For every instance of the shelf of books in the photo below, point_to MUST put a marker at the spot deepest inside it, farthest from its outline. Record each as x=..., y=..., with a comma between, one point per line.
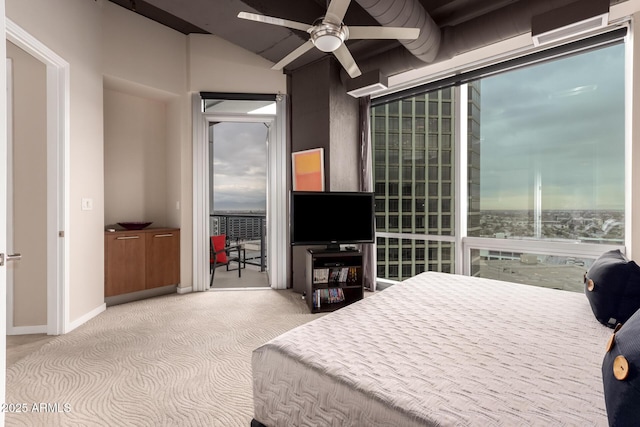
x=334, y=279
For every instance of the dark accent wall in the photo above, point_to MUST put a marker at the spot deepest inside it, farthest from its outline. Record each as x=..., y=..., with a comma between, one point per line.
x=310, y=88
x=324, y=116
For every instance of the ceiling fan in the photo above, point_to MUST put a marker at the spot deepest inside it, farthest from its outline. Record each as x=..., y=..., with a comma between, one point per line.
x=329, y=33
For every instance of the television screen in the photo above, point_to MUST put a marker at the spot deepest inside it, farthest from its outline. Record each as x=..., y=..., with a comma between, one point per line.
x=332, y=218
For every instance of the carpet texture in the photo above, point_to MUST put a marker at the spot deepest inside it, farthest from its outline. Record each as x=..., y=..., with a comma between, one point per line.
x=175, y=360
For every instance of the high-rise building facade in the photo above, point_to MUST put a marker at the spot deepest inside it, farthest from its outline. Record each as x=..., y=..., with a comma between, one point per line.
x=414, y=174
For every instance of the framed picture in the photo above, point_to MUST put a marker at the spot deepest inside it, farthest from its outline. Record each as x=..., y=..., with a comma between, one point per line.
x=308, y=170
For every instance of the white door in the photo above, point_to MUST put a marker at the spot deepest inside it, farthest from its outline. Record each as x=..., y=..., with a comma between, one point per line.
x=57, y=140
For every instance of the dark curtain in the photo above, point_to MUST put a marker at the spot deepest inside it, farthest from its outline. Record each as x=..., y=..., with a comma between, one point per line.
x=366, y=184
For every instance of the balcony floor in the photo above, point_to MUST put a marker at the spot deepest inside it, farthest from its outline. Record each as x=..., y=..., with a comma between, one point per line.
x=252, y=277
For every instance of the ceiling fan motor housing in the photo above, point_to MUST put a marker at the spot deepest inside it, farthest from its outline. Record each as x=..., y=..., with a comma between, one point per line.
x=328, y=36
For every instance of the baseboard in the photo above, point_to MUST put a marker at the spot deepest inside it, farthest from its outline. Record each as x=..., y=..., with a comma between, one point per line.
x=185, y=290
x=26, y=330
x=84, y=319
x=138, y=295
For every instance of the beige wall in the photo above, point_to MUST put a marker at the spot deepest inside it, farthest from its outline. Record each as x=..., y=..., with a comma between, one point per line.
x=135, y=159
x=139, y=50
x=179, y=188
x=29, y=188
x=219, y=66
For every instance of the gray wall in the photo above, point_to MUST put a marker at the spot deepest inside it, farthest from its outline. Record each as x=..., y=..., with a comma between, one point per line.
x=323, y=116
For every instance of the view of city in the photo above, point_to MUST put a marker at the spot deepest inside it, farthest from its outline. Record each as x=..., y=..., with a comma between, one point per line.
x=560, y=272
x=583, y=226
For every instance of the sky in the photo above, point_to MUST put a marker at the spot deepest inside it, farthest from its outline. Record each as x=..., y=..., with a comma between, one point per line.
x=563, y=118
x=240, y=166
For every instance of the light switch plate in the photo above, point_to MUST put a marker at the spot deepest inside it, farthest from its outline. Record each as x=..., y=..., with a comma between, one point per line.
x=87, y=204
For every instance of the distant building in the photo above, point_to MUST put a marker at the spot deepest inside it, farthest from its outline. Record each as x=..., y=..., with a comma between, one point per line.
x=414, y=158
x=238, y=226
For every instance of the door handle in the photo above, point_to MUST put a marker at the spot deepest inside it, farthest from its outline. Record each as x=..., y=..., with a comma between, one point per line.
x=9, y=257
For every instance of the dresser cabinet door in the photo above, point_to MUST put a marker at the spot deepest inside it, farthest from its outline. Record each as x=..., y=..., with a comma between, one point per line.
x=163, y=258
x=124, y=254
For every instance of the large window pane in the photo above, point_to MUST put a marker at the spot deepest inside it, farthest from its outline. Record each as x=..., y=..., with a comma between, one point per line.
x=545, y=161
x=420, y=178
x=557, y=272
x=550, y=157
x=399, y=259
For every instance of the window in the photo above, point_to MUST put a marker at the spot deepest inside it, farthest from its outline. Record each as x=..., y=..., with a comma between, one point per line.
x=552, y=150
x=545, y=146
x=558, y=272
x=406, y=258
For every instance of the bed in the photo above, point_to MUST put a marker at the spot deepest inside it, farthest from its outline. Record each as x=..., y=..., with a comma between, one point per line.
x=437, y=350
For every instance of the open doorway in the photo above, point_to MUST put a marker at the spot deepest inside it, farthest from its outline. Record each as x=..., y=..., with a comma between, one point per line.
x=269, y=111
x=238, y=202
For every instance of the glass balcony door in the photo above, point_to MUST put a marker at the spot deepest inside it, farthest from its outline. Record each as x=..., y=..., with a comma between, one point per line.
x=237, y=202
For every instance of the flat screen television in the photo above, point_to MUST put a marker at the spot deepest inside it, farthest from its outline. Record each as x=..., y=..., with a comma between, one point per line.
x=332, y=218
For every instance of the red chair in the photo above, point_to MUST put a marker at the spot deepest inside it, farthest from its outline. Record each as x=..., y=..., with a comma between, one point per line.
x=221, y=253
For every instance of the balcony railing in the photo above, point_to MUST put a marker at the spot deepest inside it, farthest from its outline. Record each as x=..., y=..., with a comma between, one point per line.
x=246, y=229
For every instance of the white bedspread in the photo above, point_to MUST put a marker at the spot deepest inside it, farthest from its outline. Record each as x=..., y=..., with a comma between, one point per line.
x=436, y=350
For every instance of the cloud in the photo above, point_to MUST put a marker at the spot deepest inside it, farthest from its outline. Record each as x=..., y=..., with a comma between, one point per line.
x=563, y=119
x=239, y=166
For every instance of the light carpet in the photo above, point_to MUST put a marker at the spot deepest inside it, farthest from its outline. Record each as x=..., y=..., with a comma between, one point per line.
x=175, y=360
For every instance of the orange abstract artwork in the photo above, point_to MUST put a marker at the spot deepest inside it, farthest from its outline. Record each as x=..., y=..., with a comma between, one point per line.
x=308, y=170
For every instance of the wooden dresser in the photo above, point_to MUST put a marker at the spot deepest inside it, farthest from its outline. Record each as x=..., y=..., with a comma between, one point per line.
x=141, y=259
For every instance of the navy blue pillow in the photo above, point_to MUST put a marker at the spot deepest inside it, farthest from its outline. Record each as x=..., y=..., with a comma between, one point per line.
x=612, y=286
x=621, y=375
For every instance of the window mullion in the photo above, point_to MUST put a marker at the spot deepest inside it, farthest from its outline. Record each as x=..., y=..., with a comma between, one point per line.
x=462, y=264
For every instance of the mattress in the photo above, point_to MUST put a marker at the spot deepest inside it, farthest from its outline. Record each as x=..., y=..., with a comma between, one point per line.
x=438, y=350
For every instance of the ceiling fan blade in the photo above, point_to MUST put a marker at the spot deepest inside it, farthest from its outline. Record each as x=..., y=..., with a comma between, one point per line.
x=336, y=11
x=293, y=55
x=274, y=21
x=361, y=33
x=347, y=61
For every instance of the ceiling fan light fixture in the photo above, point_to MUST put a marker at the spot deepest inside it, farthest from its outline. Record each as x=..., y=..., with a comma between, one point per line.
x=328, y=37
x=327, y=42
